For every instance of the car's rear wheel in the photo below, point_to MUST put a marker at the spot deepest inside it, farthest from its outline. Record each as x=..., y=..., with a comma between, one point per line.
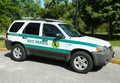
x=18, y=53
x=81, y=62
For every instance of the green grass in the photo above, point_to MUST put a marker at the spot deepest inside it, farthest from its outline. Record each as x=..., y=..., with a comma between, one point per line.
x=3, y=32
x=115, y=43
x=2, y=44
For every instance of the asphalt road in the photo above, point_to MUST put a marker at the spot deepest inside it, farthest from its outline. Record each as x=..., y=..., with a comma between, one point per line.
x=42, y=70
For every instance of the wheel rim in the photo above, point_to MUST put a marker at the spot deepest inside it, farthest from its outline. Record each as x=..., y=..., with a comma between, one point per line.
x=17, y=53
x=80, y=63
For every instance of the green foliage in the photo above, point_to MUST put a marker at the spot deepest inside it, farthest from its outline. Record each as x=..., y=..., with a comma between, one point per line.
x=66, y=18
x=93, y=15
x=30, y=9
x=81, y=25
x=54, y=9
x=9, y=11
x=16, y=9
x=115, y=43
x=2, y=44
x=96, y=12
x=102, y=28
x=55, y=12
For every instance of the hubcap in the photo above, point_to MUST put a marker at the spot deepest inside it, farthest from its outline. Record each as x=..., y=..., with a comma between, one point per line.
x=80, y=63
x=17, y=53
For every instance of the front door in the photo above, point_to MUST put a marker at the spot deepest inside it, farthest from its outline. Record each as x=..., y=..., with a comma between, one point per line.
x=55, y=47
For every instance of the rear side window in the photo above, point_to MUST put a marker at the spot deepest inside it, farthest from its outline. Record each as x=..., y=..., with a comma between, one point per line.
x=16, y=26
x=32, y=28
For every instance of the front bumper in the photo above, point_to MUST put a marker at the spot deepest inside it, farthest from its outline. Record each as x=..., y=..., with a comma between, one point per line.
x=102, y=58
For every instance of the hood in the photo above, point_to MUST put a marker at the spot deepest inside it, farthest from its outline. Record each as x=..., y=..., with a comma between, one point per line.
x=91, y=40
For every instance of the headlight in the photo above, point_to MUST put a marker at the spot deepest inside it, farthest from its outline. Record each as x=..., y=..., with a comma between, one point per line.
x=101, y=48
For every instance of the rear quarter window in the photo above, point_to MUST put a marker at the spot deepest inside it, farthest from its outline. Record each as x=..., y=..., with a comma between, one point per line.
x=16, y=26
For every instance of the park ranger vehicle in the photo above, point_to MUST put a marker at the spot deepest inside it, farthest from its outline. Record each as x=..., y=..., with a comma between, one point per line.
x=56, y=39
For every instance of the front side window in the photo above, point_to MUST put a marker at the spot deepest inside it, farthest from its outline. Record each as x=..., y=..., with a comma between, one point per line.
x=50, y=30
x=16, y=26
x=32, y=28
x=69, y=30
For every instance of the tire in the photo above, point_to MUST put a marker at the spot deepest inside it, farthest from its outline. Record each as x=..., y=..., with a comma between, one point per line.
x=81, y=62
x=18, y=53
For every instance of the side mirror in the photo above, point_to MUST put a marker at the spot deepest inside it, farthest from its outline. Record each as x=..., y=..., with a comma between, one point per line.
x=59, y=35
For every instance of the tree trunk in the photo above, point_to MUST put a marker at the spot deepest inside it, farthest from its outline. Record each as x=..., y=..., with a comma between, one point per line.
x=92, y=31
x=110, y=32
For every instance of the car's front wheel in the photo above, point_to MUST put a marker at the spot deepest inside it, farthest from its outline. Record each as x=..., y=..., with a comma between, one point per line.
x=81, y=62
x=18, y=53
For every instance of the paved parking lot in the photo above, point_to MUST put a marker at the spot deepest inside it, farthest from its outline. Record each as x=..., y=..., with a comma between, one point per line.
x=117, y=52
x=42, y=70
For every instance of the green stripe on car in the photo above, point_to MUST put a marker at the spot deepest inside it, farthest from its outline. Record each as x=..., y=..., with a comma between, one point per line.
x=51, y=38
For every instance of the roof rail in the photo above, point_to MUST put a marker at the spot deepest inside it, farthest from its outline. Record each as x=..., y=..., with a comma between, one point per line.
x=53, y=20
x=47, y=20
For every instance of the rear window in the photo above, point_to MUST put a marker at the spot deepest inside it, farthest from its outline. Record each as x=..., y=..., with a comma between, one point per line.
x=16, y=26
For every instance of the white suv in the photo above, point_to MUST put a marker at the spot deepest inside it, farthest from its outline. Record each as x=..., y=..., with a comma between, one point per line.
x=57, y=40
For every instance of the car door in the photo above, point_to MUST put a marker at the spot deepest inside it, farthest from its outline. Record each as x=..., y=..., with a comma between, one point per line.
x=31, y=38
x=54, y=47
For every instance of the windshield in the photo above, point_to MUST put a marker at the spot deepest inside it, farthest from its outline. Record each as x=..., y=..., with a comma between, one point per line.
x=70, y=30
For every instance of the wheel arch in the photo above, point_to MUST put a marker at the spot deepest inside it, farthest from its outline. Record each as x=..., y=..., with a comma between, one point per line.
x=16, y=42
x=76, y=50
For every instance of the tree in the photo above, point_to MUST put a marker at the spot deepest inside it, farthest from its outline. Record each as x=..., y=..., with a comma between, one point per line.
x=53, y=9
x=89, y=12
x=29, y=7
x=69, y=17
x=50, y=3
x=9, y=12
x=111, y=13
x=96, y=12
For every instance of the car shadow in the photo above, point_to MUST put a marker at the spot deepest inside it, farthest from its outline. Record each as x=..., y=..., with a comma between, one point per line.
x=63, y=64
x=49, y=61
x=43, y=60
x=8, y=54
x=46, y=61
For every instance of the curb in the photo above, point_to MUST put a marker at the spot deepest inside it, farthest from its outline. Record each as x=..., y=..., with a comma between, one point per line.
x=115, y=61
x=3, y=49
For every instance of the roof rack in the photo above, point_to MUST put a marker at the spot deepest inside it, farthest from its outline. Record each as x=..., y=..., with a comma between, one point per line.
x=48, y=20
x=53, y=20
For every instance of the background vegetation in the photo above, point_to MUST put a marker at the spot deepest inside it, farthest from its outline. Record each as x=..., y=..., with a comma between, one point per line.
x=94, y=16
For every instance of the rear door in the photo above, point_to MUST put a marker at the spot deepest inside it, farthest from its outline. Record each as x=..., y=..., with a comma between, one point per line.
x=30, y=37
